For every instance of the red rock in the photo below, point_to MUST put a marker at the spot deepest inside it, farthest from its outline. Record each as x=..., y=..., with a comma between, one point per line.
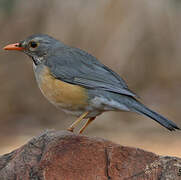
x=61, y=155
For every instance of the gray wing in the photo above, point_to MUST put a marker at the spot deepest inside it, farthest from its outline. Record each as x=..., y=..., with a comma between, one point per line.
x=75, y=66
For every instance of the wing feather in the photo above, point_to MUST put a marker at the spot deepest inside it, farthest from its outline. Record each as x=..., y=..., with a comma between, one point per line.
x=78, y=67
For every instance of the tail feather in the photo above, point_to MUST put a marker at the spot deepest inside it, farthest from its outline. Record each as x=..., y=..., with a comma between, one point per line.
x=140, y=108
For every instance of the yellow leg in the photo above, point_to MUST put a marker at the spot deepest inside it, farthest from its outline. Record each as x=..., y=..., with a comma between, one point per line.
x=86, y=124
x=72, y=127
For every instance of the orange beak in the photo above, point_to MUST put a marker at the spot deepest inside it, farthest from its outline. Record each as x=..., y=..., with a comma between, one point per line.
x=13, y=47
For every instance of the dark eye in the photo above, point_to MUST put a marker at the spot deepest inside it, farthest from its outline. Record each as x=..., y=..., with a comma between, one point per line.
x=33, y=44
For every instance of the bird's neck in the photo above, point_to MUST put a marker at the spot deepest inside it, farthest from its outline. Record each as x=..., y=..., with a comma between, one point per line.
x=37, y=60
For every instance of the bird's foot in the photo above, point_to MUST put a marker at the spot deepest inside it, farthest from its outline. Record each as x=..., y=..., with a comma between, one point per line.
x=70, y=129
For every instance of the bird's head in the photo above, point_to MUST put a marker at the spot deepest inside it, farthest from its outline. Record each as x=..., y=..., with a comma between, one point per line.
x=36, y=46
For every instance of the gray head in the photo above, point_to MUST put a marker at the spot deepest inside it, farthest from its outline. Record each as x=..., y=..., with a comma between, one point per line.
x=37, y=46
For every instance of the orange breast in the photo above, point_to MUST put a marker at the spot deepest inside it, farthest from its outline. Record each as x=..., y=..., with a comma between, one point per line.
x=61, y=93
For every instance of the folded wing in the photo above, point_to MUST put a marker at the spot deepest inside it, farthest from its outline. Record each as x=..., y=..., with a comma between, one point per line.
x=77, y=67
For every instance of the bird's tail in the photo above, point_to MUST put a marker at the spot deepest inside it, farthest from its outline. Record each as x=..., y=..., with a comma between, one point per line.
x=142, y=109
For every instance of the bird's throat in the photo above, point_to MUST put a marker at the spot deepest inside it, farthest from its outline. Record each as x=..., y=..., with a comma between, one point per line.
x=37, y=60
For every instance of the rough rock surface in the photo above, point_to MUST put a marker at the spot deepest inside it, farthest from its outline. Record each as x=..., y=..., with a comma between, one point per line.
x=61, y=155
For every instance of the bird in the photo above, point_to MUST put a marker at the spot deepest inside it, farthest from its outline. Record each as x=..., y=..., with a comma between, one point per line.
x=79, y=84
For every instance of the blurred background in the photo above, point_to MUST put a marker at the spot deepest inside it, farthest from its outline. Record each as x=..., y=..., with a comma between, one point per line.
x=140, y=40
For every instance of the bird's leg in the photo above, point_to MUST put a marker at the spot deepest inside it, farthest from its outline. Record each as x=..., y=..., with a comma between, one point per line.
x=86, y=124
x=72, y=127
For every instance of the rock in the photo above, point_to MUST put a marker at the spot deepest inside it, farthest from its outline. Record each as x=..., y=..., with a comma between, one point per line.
x=62, y=155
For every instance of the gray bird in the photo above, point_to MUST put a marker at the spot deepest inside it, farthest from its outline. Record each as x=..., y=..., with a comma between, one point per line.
x=78, y=83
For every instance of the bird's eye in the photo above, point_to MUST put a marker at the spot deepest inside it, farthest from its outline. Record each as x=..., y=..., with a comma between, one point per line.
x=33, y=44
